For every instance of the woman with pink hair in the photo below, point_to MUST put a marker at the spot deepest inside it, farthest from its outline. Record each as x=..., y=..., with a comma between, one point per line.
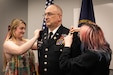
x=95, y=52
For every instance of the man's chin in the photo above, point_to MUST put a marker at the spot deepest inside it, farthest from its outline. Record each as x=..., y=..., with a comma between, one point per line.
x=47, y=25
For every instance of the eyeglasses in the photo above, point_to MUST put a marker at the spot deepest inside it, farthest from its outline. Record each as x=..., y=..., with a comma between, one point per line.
x=49, y=14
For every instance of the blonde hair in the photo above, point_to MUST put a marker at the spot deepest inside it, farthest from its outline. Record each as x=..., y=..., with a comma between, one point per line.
x=14, y=24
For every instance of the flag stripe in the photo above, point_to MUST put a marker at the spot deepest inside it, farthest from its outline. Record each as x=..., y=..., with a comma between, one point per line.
x=48, y=2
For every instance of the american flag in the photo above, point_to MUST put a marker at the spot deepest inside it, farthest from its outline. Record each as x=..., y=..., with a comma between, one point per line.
x=48, y=2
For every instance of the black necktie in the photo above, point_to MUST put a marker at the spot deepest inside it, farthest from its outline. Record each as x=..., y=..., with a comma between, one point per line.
x=50, y=34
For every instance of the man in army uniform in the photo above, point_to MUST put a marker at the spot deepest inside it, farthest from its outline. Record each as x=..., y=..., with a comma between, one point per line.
x=50, y=48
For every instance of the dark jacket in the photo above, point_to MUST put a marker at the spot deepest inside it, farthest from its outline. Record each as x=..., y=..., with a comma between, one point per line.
x=49, y=52
x=88, y=63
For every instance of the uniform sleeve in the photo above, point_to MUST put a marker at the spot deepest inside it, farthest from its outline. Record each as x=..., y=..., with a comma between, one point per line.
x=83, y=61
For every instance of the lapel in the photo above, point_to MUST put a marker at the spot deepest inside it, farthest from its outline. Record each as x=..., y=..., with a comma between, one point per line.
x=45, y=36
x=56, y=36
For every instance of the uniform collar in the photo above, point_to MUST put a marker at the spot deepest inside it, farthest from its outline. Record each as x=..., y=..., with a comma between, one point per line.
x=55, y=30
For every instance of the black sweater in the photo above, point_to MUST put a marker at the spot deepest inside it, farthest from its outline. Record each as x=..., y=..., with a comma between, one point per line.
x=88, y=63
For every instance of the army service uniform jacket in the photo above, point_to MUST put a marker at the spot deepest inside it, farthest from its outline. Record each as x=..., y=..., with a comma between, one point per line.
x=49, y=51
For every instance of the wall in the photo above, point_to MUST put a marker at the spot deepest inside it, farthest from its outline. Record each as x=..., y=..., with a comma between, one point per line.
x=10, y=9
x=103, y=14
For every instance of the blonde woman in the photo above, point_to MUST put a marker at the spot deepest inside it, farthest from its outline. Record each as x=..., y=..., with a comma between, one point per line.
x=17, y=50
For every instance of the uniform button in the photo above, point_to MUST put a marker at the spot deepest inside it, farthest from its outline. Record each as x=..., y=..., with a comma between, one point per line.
x=45, y=63
x=61, y=50
x=45, y=69
x=45, y=56
x=46, y=49
x=44, y=37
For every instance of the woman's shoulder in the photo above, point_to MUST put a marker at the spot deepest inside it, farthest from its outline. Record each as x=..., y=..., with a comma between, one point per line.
x=102, y=54
x=25, y=40
x=7, y=42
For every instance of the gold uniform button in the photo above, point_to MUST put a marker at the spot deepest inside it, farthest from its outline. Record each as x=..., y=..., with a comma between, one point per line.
x=46, y=49
x=61, y=50
x=45, y=37
x=45, y=63
x=45, y=56
x=45, y=69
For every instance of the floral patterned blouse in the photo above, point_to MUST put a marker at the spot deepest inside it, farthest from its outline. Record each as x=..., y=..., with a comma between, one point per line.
x=21, y=64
